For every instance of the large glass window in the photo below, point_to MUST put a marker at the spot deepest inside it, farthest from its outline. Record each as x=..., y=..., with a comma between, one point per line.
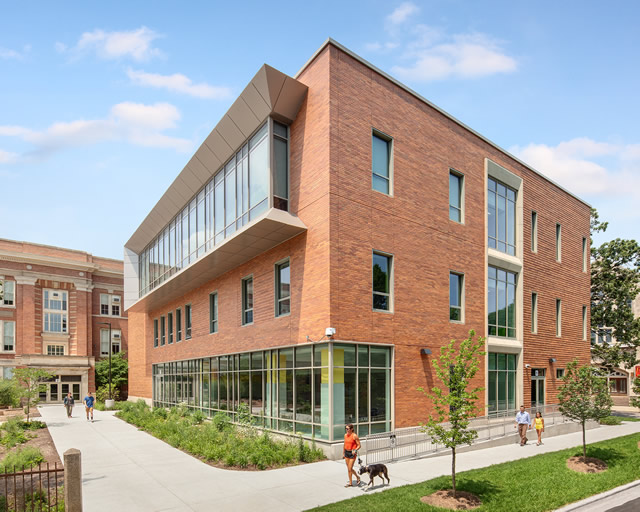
x=502, y=303
x=502, y=383
x=247, y=300
x=7, y=293
x=55, y=310
x=501, y=217
x=381, y=163
x=8, y=332
x=455, y=196
x=456, y=294
x=288, y=389
x=283, y=289
x=116, y=338
x=382, y=282
x=235, y=195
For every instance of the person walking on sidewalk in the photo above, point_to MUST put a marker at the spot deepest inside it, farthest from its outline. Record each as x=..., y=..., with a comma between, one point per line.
x=88, y=405
x=68, y=404
x=523, y=423
x=539, y=424
x=350, y=451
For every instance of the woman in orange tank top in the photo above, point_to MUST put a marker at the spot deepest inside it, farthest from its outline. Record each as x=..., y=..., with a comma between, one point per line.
x=349, y=452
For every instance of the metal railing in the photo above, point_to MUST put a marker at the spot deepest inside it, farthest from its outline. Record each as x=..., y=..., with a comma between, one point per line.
x=413, y=442
x=32, y=489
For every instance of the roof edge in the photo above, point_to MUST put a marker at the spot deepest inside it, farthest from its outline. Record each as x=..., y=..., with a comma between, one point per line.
x=333, y=42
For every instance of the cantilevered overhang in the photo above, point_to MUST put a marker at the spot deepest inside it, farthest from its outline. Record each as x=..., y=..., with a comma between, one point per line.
x=270, y=229
x=270, y=93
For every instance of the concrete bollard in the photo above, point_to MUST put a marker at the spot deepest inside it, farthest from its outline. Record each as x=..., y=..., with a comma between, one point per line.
x=72, y=480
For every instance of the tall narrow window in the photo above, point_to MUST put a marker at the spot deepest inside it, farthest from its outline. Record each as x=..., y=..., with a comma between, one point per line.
x=187, y=322
x=585, y=255
x=7, y=293
x=502, y=303
x=213, y=313
x=247, y=301
x=104, y=304
x=382, y=282
x=534, y=231
x=170, y=327
x=456, y=295
x=558, y=318
x=283, y=289
x=558, y=242
x=501, y=217
x=381, y=163
x=155, y=332
x=584, y=322
x=534, y=312
x=55, y=310
x=281, y=163
x=162, y=331
x=8, y=332
x=178, y=325
x=456, y=197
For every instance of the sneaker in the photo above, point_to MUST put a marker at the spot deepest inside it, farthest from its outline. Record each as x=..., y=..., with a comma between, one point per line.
x=91, y=420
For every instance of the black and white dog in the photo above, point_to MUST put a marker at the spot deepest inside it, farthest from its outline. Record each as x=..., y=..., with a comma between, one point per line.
x=374, y=470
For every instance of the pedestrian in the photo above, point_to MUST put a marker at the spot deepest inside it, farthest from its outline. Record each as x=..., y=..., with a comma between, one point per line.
x=68, y=404
x=88, y=405
x=523, y=423
x=350, y=452
x=539, y=424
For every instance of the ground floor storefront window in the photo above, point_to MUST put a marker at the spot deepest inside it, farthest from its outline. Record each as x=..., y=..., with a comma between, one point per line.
x=313, y=390
x=502, y=382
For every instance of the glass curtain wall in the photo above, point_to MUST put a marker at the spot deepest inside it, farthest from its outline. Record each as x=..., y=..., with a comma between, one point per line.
x=237, y=194
x=502, y=383
x=289, y=389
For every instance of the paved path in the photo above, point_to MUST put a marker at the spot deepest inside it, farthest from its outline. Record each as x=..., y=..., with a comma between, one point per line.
x=126, y=470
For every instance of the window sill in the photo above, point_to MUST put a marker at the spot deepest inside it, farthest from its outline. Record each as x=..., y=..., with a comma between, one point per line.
x=387, y=311
x=283, y=315
x=8, y=306
x=214, y=332
x=459, y=322
x=7, y=352
x=247, y=324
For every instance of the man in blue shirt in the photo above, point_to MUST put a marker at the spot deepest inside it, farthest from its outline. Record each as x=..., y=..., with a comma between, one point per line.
x=523, y=422
x=88, y=405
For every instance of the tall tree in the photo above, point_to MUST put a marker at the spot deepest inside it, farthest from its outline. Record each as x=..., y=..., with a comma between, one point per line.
x=31, y=381
x=456, y=402
x=615, y=282
x=584, y=396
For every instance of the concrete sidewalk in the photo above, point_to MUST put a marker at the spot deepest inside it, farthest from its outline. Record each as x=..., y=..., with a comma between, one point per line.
x=125, y=469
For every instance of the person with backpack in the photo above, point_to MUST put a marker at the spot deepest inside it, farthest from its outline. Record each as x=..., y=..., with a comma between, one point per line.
x=68, y=404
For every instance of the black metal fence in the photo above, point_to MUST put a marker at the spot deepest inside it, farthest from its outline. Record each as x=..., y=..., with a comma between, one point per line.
x=35, y=489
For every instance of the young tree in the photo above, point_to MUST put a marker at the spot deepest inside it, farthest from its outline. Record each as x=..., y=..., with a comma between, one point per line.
x=119, y=371
x=455, y=401
x=584, y=396
x=635, y=400
x=30, y=381
x=615, y=282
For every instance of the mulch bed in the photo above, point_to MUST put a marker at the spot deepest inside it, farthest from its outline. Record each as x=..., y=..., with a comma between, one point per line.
x=588, y=465
x=444, y=499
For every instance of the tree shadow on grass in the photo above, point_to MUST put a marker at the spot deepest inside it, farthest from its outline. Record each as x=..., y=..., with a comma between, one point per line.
x=609, y=455
x=483, y=489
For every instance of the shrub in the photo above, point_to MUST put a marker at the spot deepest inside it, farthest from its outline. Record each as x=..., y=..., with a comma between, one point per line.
x=611, y=420
x=161, y=412
x=12, y=433
x=9, y=393
x=198, y=417
x=21, y=458
x=102, y=393
x=221, y=421
x=244, y=415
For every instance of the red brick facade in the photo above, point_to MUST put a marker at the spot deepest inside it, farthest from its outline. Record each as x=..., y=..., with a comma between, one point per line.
x=330, y=191
x=35, y=268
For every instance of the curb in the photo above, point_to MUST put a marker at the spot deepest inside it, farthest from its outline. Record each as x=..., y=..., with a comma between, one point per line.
x=598, y=497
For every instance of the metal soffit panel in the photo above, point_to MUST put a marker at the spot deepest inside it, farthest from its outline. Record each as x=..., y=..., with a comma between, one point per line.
x=270, y=229
x=270, y=92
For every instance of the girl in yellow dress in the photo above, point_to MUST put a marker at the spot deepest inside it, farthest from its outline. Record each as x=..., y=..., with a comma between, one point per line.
x=539, y=424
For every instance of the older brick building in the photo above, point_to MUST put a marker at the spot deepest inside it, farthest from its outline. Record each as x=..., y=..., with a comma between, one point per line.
x=342, y=199
x=54, y=304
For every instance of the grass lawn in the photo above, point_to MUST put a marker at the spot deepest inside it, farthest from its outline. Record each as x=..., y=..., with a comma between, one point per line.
x=534, y=484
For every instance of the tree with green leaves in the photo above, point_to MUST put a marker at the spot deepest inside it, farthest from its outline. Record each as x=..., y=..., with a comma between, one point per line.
x=456, y=402
x=634, y=401
x=584, y=396
x=119, y=371
x=615, y=283
x=30, y=381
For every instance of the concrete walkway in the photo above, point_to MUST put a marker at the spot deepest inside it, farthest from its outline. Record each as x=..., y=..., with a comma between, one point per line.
x=126, y=470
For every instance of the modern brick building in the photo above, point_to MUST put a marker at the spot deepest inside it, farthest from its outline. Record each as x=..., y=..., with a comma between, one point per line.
x=54, y=304
x=341, y=199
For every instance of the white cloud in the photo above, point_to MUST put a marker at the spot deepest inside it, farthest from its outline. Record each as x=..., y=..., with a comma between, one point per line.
x=135, y=123
x=7, y=53
x=402, y=12
x=136, y=44
x=6, y=157
x=587, y=167
x=465, y=56
x=178, y=83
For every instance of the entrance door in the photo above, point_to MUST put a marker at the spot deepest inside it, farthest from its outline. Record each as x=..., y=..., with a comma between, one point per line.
x=537, y=389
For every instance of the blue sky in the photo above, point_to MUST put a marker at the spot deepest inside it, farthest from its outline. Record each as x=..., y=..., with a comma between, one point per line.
x=102, y=106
